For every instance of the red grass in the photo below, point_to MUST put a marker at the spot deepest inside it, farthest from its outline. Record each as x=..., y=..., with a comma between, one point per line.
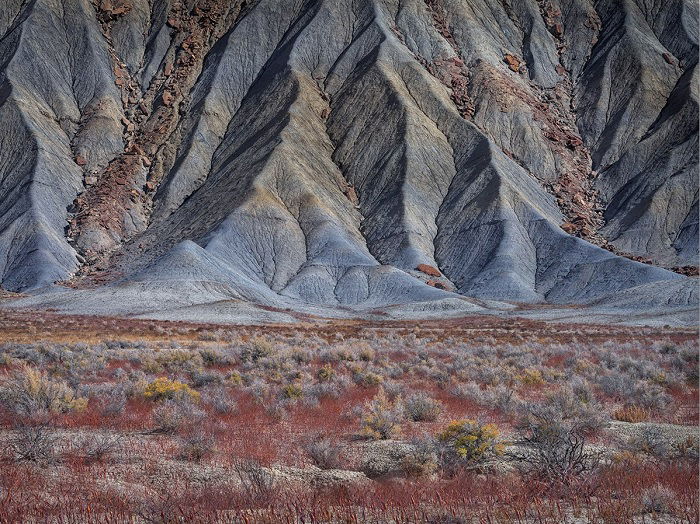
x=485, y=499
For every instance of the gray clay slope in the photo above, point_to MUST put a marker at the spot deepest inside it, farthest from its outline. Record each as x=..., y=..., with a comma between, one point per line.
x=328, y=147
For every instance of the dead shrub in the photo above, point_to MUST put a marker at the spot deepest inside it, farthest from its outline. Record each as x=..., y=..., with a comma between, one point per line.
x=324, y=453
x=96, y=447
x=257, y=483
x=631, y=414
x=35, y=443
x=554, y=437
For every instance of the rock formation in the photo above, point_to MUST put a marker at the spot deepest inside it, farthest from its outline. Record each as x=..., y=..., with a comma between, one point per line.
x=349, y=153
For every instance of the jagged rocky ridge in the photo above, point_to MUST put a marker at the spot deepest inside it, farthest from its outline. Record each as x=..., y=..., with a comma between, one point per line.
x=318, y=151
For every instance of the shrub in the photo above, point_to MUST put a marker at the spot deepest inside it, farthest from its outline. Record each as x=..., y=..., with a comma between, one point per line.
x=652, y=441
x=34, y=443
x=201, y=378
x=300, y=356
x=393, y=388
x=687, y=448
x=324, y=453
x=292, y=391
x=212, y=357
x=257, y=483
x=503, y=398
x=234, y=379
x=366, y=378
x=325, y=373
x=278, y=409
x=179, y=360
x=531, y=377
x=468, y=443
x=324, y=390
x=423, y=462
x=420, y=407
x=567, y=409
x=650, y=396
x=29, y=391
x=95, y=447
x=582, y=390
x=617, y=385
x=172, y=414
x=367, y=354
x=555, y=434
x=658, y=499
x=196, y=446
x=221, y=400
x=381, y=417
x=113, y=401
x=470, y=391
x=163, y=388
x=258, y=349
x=631, y=414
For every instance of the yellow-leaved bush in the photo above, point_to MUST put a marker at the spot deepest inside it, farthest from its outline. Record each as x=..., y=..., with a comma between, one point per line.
x=471, y=441
x=164, y=388
x=382, y=417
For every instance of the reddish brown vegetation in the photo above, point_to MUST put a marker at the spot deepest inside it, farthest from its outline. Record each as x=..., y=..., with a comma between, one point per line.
x=245, y=411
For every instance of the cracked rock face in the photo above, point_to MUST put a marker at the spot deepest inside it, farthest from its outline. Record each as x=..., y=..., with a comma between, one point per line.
x=350, y=153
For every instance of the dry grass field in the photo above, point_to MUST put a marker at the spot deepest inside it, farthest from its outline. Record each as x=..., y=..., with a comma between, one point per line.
x=470, y=420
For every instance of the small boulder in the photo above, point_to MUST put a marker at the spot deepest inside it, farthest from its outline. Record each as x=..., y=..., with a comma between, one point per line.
x=513, y=62
x=429, y=270
x=383, y=458
x=168, y=98
x=568, y=227
x=437, y=284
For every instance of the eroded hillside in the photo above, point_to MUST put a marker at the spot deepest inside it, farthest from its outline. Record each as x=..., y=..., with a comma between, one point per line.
x=318, y=152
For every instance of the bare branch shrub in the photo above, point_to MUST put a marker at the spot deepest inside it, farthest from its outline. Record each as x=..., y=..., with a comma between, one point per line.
x=197, y=445
x=324, y=453
x=34, y=443
x=257, y=483
x=554, y=435
x=95, y=447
